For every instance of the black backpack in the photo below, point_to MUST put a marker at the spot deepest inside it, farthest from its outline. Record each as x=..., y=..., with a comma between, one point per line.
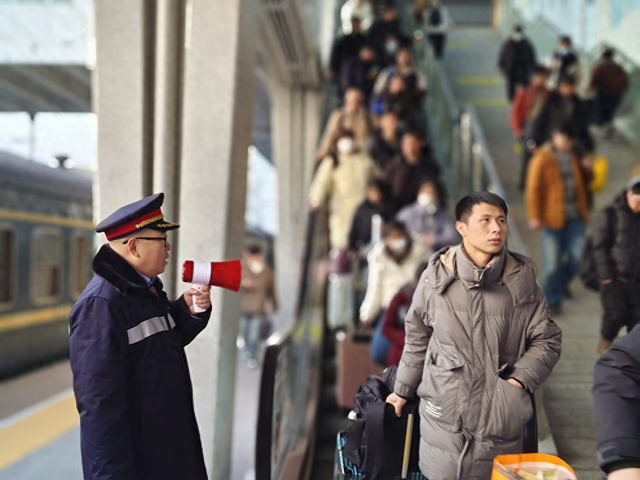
x=587, y=270
x=375, y=441
x=435, y=17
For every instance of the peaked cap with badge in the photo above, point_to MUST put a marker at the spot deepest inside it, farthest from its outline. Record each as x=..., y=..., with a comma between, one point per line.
x=145, y=213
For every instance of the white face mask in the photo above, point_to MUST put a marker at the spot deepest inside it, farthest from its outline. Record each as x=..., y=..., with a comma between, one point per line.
x=391, y=46
x=398, y=245
x=345, y=145
x=428, y=202
x=517, y=37
x=256, y=266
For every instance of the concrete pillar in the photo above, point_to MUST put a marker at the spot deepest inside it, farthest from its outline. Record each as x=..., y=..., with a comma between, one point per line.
x=169, y=69
x=295, y=124
x=219, y=86
x=118, y=90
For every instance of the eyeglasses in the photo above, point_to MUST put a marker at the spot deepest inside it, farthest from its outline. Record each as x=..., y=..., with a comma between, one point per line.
x=164, y=239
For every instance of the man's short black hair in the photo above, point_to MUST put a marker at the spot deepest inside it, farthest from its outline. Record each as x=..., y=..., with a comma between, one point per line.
x=396, y=225
x=565, y=128
x=253, y=249
x=566, y=39
x=517, y=29
x=567, y=80
x=540, y=70
x=608, y=53
x=464, y=208
x=413, y=133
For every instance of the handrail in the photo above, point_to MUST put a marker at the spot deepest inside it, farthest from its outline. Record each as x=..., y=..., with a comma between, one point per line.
x=459, y=142
x=516, y=243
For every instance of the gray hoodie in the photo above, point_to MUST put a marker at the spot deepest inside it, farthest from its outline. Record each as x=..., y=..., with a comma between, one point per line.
x=468, y=331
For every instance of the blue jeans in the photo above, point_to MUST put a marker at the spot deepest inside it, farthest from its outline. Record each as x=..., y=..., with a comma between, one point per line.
x=252, y=323
x=380, y=345
x=561, y=254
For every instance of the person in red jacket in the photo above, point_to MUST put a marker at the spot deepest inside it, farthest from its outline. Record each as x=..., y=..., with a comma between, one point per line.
x=526, y=106
x=393, y=327
x=609, y=81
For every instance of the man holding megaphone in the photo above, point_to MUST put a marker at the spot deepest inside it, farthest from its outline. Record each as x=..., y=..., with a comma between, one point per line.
x=130, y=374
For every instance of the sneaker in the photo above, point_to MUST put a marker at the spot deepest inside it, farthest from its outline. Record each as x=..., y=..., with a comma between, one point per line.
x=603, y=345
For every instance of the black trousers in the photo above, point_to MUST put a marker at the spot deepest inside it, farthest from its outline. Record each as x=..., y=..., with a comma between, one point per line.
x=526, y=158
x=438, y=41
x=513, y=82
x=621, y=304
x=606, y=105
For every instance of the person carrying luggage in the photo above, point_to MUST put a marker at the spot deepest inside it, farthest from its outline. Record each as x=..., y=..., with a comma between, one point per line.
x=479, y=341
x=392, y=264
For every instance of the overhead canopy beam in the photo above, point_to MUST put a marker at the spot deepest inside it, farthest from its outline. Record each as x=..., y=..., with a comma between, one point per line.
x=45, y=88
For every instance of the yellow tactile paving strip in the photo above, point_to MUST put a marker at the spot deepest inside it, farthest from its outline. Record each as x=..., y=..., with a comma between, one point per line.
x=34, y=431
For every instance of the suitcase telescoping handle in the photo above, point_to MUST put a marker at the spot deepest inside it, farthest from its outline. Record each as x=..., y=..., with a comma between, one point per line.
x=407, y=445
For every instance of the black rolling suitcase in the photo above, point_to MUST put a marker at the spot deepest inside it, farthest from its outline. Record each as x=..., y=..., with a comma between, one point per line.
x=392, y=446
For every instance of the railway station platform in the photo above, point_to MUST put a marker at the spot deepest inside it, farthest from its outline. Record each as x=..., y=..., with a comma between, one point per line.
x=40, y=433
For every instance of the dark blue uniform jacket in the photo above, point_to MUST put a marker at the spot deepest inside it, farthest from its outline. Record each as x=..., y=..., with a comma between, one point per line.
x=131, y=378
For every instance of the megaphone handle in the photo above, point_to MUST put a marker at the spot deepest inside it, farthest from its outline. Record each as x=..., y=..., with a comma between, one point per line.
x=196, y=308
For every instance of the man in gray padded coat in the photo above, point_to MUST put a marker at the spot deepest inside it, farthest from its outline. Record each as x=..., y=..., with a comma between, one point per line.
x=479, y=339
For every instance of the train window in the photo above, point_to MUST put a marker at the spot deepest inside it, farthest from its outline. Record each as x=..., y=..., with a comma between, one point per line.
x=7, y=265
x=79, y=264
x=46, y=265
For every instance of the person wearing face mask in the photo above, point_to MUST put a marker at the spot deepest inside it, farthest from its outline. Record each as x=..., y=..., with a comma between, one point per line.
x=384, y=144
x=353, y=116
x=409, y=170
x=564, y=62
x=516, y=61
x=258, y=289
x=428, y=219
x=415, y=81
x=342, y=177
x=386, y=34
x=392, y=264
x=479, y=341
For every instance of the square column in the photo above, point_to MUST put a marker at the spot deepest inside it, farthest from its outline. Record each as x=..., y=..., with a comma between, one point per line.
x=219, y=86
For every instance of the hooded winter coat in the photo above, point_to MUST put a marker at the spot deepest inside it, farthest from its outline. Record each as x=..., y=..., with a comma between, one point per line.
x=131, y=378
x=469, y=330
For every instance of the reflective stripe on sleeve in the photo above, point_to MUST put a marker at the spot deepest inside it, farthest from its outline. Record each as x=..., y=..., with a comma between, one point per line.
x=147, y=328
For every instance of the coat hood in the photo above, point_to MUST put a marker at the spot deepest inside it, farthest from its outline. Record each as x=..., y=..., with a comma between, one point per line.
x=518, y=272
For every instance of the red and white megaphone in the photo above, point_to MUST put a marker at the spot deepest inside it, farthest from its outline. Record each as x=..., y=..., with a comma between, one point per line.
x=217, y=274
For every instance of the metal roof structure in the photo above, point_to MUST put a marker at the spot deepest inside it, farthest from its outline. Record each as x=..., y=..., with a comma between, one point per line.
x=45, y=88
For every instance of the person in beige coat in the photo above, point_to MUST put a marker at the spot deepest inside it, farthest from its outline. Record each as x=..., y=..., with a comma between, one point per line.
x=342, y=177
x=355, y=117
x=479, y=341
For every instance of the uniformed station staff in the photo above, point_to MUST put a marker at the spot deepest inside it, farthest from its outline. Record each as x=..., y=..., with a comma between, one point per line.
x=130, y=372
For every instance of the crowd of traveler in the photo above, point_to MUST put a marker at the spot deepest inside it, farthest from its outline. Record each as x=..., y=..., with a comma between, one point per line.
x=553, y=124
x=387, y=209
x=376, y=172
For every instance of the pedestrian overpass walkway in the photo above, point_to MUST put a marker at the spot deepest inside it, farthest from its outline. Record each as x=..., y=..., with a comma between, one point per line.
x=470, y=65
